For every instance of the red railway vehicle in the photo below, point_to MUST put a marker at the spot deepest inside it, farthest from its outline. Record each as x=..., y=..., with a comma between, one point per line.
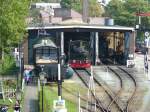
x=79, y=54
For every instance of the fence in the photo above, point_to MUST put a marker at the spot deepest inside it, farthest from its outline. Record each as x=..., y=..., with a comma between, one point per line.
x=9, y=93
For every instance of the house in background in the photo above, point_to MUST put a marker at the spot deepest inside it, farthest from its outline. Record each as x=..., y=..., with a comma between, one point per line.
x=53, y=13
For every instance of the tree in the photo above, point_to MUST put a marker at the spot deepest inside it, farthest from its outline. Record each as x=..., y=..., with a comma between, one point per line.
x=12, y=29
x=12, y=22
x=124, y=12
x=51, y=1
x=94, y=8
x=67, y=3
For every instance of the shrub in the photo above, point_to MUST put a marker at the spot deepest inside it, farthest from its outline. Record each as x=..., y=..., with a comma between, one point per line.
x=8, y=66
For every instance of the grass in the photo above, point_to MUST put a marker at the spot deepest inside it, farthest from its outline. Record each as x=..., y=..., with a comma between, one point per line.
x=8, y=103
x=70, y=92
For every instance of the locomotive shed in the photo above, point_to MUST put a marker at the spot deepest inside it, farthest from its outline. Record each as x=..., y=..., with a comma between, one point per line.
x=109, y=44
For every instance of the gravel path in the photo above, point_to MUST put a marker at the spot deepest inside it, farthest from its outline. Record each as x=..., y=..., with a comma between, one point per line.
x=31, y=99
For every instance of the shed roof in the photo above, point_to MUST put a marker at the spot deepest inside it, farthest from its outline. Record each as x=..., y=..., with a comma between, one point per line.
x=81, y=26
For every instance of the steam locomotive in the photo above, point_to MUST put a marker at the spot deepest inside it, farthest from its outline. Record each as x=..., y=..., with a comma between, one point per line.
x=79, y=54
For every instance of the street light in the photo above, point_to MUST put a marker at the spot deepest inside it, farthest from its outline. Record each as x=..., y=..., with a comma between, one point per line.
x=42, y=78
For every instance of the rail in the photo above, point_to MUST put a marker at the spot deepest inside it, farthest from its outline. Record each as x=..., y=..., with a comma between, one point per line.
x=111, y=94
x=134, y=92
x=100, y=106
x=129, y=100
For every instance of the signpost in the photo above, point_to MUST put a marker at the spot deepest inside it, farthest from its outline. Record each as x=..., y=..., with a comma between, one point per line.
x=59, y=106
x=130, y=61
x=146, y=41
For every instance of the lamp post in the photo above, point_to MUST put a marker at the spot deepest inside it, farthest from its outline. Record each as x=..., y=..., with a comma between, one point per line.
x=42, y=78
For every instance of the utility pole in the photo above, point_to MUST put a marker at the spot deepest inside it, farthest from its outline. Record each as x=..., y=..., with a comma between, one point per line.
x=85, y=12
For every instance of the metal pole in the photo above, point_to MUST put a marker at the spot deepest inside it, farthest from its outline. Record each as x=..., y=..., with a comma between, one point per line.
x=79, y=102
x=22, y=67
x=62, y=43
x=62, y=47
x=59, y=83
x=42, y=99
x=85, y=10
x=59, y=76
x=19, y=49
x=114, y=47
x=139, y=20
x=96, y=48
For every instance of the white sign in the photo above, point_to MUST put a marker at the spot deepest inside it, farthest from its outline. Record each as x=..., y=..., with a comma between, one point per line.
x=130, y=63
x=59, y=106
x=146, y=34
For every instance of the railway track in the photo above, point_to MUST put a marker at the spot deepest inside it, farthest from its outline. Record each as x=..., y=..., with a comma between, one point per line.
x=127, y=90
x=85, y=79
x=103, y=96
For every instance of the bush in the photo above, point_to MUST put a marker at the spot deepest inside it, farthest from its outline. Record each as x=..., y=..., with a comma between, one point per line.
x=8, y=66
x=10, y=83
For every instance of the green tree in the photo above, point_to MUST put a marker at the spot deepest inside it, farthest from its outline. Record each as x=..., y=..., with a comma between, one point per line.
x=67, y=3
x=13, y=15
x=94, y=8
x=124, y=12
x=12, y=22
x=50, y=1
